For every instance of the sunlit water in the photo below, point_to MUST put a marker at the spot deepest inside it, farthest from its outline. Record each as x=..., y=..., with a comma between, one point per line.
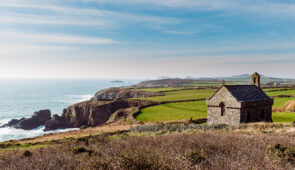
x=21, y=98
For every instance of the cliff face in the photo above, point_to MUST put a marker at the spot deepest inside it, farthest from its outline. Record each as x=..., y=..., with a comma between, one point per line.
x=94, y=112
x=91, y=113
x=119, y=93
x=39, y=118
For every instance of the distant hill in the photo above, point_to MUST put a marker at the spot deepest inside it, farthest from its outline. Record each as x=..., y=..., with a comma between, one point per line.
x=236, y=79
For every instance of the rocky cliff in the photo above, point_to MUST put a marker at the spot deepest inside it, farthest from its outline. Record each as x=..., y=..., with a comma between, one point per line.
x=92, y=113
x=39, y=118
x=120, y=93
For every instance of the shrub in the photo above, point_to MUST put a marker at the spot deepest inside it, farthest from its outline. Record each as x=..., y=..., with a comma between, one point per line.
x=198, y=121
x=142, y=158
x=282, y=152
x=78, y=150
x=195, y=157
x=27, y=154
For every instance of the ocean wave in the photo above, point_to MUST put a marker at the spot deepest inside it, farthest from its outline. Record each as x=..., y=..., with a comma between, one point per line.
x=4, y=121
x=72, y=99
x=14, y=134
x=80, y=98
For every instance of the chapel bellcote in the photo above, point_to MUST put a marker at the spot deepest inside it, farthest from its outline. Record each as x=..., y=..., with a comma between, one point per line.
x=256, y=79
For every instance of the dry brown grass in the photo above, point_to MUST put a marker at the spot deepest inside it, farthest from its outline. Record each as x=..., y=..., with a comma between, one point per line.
x=203, y=150
x=287, y=107
x=77, y=133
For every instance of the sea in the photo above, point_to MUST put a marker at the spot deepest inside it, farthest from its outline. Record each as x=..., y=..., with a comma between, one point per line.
x=22, y=97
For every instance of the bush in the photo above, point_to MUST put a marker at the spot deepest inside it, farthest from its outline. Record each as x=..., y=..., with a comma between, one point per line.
x=195, y=158
x=78, y=150
x=27, y=154
x=282, y=152
x=198, y=121
x=142, y=158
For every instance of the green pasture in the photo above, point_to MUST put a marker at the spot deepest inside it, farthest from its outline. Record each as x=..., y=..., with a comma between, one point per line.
x=195, y=110
x=162, y=89
x=183, y=95
x=276, y=93
x=201, y=84
x=174, y=111
x=283, y=117
x=278, y=102
x=270, y=89
x=198, y=109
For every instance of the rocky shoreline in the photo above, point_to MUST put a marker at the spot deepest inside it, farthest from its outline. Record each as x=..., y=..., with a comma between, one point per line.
x=38, y=119
x=107, y=105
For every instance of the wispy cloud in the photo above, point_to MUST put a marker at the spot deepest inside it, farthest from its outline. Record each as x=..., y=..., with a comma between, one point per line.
x=55, y=38
x=262, y=7
x=84, y=16
x=179, y=32
x=50, y=20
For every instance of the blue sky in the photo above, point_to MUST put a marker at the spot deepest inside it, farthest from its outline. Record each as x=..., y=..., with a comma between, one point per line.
x=146, y=38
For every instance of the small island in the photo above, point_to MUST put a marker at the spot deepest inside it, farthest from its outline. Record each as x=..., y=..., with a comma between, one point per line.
x=117, y=81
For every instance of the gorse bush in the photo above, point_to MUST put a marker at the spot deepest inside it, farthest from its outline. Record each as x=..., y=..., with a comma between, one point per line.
x=143, y=158
x=195, y=157
x=282, y=152
x=27, y=154
x=78, y=150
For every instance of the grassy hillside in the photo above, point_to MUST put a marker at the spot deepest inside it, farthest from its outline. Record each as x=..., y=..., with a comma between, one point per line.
x=182, y=95
x=198, y=109
x=283, y=117
x=174, y=111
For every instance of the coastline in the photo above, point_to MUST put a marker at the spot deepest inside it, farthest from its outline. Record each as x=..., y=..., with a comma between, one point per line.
x=21, y=98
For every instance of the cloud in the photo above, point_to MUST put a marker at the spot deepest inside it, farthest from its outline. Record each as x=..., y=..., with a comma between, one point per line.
x=262, y=7
x=37, y=20
x=178, y=32
x=67, y=15
x=13, y=50
x=55, y=38
x=212, y=4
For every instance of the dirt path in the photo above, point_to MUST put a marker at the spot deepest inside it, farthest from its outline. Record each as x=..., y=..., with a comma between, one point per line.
x=77, y=133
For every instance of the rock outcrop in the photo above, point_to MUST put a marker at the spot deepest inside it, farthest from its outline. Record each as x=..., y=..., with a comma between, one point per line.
x=91, y=113
x=94, y=112
x=38, y=119
x=57, y=122
x=120, y=93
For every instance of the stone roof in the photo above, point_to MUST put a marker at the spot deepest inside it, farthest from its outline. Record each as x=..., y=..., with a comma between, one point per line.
x=247, y=93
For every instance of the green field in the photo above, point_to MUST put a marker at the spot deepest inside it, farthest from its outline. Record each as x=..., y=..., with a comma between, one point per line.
x=198, y=109
x=162, y=89
x=195, y=110
x=202, y=84
x=283, y=117
x=183, y=95
x=276, y=93
x=279, y=102
x=270, y=89
x=174, y=111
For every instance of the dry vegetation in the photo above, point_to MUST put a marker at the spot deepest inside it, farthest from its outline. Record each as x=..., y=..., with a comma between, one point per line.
x=207, y=149
x=287, y=107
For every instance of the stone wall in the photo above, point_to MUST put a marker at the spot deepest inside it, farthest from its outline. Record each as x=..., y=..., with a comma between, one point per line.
x=232, y=113
x=231, y=117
